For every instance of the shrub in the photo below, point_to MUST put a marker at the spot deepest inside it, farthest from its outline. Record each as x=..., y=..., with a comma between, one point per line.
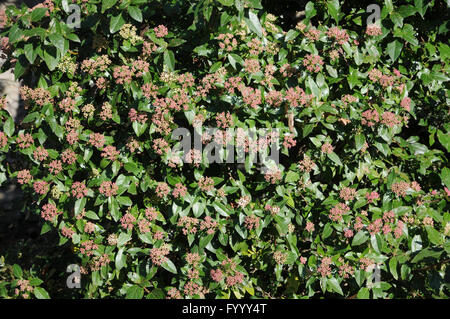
x=355, y=191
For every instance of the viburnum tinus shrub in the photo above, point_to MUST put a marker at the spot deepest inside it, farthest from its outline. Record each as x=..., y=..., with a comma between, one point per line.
x=133, y=116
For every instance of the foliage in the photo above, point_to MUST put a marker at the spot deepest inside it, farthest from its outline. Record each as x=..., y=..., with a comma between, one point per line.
x=362, y=116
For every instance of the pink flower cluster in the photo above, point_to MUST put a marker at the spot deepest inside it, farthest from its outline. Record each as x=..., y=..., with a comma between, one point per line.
x=206, y=184
x=341, y=36
x=227, y=41
x=96, y=139
x=313, y=63
x=69, y=156
x=327, y=148
x=162, y=190
x=150, y=90
x=49, y=212
x=189, y=224
x=370, y=117
x=209, y=225
x=100, y=64
x=296, y=96
x=324, y=269
x=127, y=221
x=250, y=96
x=88, y=247
x=67, y=104
x=273, y=175
x=406, y=103
x=79, y=190
x=134, y=116
x=251, y=222
x=39, y=95
x=24, y=177
x=227, y=271
x=372, y=196
x=40, y=154
x=108, y=188
x=338, y=211
x=224, y=120
x=24, y=140
x=40, y=187
x=179, y=191
x=151, y=213
x=252, y=66
x=110, y=152
x=306, y=164
x=161, y=31
x=373, y=30
x=158, y=255
x=67, y=232
x=347, y=193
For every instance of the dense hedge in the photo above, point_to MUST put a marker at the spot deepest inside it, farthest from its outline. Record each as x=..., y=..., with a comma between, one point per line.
x=358, y=114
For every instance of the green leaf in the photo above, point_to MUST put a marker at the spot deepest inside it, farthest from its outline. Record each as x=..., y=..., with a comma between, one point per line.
x=135, y=292
x=434, y=236
x=106, y=4
x=30, y=53
x=227, y=3
x=327, y=230
x=169, y=266
x=427, y=253
x=359, y=141
x=79, y=205
x=292, y=177
x=233, y=58
x=123, y=239
x=114, y=209
x=38, y=14
x=359, y=238
x=314, y=88
x=15, y=33
x=116, y=23
x=124, y=200
x=444, y=139
x=121, y=259
x=9, y=126
x=445, y=176
x=205, y=241
x=58, y=41
x=406, y=10
x=169, y=60
x=253, y=24
x=291, y=35
x=310, y=11
x=41, y=293
x=135, y=13
x=333, y=73
x=333, y=9
x=35, y=281
x=334, y=285
x=406, y=33
x=363, y=293
x=221, y=209
x=416, y=243
x=51, y=58
x=17, y=271
x=333, y=156
x=394, y=49
x=21, y=66
x=393, y=267
x=157, y=293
